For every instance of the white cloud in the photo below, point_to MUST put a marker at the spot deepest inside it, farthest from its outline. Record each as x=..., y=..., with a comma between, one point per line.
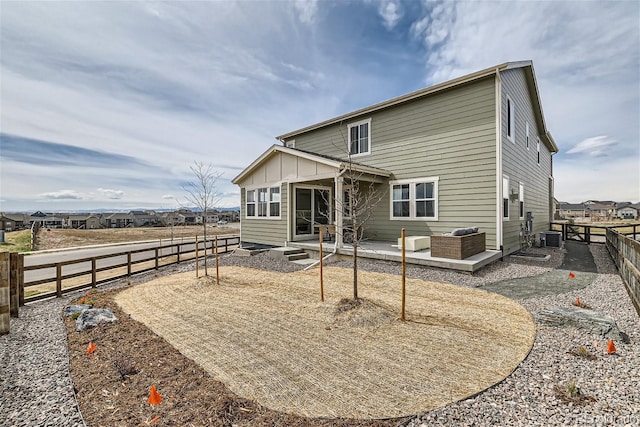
x=307, y=10
x=596, y=146
x=391, y=12
x=111, y=194
x=168, y=197
x=62, y=195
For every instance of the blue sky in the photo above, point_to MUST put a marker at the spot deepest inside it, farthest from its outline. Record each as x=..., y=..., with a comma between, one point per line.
x=107, y=104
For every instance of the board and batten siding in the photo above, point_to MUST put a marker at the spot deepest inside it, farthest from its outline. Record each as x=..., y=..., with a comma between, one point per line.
x=521, y=164
x=450, y=135
x=278, y=170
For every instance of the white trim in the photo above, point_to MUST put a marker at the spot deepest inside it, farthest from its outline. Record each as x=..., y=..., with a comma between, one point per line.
x=511, y=120
x=268, y=187
x=412, y=198
x=498, y=216
x=354, y=124
x=295, y=235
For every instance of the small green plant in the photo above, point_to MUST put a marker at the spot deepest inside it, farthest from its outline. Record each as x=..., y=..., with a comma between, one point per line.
x=570, y=394
x=581, y=351
x=571, y=389
x=75, y=316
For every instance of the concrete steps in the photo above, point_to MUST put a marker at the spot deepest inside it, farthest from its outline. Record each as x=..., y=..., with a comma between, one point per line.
x=290, y=254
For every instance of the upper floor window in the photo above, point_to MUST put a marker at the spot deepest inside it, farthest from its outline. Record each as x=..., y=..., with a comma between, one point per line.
x=538, y=146
x=290, y=143
x=415, y=199
x=263, y=203
x=527, y=134
x=359, y=137
x=511, y=120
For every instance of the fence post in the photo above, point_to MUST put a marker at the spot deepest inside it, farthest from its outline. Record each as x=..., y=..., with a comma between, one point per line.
x=156, y=258
x=178, y=253
x=21, y=280
x=58, y=280
x=5, y=319
x=128, y=263
x=587, y=234
x=93, y=272
x=13, y=284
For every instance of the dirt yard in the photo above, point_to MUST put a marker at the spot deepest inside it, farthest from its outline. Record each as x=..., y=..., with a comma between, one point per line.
x=270, y=340
x=56, y=238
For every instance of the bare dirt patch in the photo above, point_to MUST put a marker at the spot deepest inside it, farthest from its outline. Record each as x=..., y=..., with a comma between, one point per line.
x=56, y=238
x=269, y=339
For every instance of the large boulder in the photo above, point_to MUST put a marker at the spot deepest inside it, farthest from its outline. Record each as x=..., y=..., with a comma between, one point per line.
x=587, y=320
x=77, y=308
x=90, y=318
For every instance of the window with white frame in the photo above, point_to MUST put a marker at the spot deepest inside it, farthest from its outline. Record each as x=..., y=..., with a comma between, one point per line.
x=505, y=197
x=527, y=134
x=511, y=120
x=263, y=203
x=538, y=146
x=359, y=137
x=290, y=143
x=250, y=208
x=274, y=201
x=415, y=199
x=521, y=200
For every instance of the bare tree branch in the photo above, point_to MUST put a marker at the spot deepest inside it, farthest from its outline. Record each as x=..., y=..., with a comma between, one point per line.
x=202, y=193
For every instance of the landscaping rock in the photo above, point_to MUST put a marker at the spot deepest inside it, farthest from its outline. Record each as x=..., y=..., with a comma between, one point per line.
x=90, y=318
x=70, y=310
x=588, y=320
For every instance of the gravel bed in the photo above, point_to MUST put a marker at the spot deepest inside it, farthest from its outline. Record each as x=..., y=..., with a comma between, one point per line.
x=35, y=386
x=36, y=389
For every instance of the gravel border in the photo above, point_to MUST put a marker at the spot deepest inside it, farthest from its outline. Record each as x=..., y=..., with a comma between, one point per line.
x=36, y=389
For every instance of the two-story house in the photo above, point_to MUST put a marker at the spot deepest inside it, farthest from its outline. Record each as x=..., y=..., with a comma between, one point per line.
x=473, y=151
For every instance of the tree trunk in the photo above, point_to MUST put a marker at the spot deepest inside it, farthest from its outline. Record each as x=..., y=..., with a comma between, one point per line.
x=355, y=265
x=204, y=224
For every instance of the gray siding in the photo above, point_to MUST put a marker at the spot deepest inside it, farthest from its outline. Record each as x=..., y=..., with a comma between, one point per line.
x=450, y=135
x=265, y=231
x=520, y=164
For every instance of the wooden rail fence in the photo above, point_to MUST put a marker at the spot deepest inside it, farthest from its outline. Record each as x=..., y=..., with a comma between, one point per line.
x=593, y=233
x=626, y=255
x=92, y=271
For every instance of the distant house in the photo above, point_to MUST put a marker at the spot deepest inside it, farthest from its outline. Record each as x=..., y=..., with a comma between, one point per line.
x=190, y=217
x=20, y=220
x=7, y=224
x=470, y=152
x=572, y=210
x=600, y=210
x=169, y=219
x=628, y=211
x=83, y=221
x=118, y=220
x=146, y=218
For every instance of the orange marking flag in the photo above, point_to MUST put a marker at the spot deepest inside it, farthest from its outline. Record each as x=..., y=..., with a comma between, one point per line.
x=577, y=303
x=611, y=347
x=91, y=348
x=571, y=275
x=154, y=396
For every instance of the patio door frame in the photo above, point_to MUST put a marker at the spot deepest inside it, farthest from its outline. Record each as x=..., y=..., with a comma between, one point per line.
x=294, y=215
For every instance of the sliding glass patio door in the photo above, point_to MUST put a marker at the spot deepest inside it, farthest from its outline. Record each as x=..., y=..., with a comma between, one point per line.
x=312, y=207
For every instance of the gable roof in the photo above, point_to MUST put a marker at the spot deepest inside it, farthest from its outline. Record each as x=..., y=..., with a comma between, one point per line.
x=526, y=66
x=335, y=163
